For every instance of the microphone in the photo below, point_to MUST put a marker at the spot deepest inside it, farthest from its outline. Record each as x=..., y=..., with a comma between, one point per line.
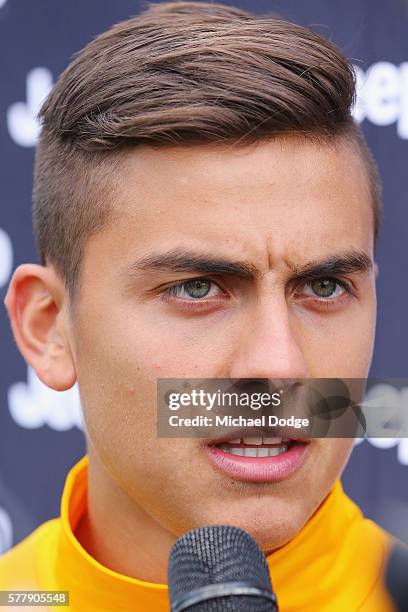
x=219, y=569
x=397, y=577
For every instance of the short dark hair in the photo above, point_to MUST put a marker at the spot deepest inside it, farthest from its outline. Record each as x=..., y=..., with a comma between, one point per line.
x=181, y=72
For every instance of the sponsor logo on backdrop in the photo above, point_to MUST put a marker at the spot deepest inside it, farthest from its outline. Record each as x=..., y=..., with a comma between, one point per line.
x=22, y=123
x=401, y=445
x=382, y=99
x=382, y=95
x=32, y=405
x=6, y=257
x=16, y=521
x=6, y=531
x=392, y=400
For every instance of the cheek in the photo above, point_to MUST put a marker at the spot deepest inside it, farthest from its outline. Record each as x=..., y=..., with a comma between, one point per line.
x=338, y=345
x=328, y=460
x=117, y=375
x=336, y=452
x=116, y=391
x=356, y=343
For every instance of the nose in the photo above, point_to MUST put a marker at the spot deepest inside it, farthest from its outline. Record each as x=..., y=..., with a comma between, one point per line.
x=269, y=346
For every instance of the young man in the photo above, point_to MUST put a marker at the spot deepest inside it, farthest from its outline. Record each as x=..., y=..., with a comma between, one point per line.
x=204, y=206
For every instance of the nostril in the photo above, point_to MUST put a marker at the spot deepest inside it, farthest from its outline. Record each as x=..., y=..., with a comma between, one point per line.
x=251, y=385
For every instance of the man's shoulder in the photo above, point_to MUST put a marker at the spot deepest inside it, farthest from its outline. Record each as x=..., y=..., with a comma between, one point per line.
x=19, y=567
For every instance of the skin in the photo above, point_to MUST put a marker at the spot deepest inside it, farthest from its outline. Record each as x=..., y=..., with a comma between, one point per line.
x=278, y=206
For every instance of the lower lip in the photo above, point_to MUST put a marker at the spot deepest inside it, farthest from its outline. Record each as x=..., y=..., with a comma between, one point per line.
x=259, y=469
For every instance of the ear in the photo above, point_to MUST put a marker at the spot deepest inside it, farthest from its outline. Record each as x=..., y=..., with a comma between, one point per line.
x=37, y=305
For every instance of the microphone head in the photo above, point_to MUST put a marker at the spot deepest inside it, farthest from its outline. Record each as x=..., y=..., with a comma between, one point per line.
x=219, y=555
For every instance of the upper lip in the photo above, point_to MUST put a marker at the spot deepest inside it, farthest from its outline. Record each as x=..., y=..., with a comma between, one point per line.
x=289, y=433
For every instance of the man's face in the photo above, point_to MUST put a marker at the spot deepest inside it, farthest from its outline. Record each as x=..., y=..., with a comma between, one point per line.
x=279, y=208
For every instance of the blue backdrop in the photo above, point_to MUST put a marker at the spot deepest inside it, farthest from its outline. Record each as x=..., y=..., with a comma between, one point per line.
x=40, y=430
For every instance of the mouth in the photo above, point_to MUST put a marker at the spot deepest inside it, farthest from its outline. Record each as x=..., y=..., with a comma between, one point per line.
x=258, y=458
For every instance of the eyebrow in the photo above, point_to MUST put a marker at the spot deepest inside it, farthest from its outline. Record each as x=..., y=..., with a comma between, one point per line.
x=347, y=263
x=184, y=261
x=181, y=261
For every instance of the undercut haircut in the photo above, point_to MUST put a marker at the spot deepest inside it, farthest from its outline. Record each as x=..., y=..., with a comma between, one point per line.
x=180, y=73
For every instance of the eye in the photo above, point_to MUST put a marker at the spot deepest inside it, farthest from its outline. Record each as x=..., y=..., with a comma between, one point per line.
x=194, y=289
x=326, y=288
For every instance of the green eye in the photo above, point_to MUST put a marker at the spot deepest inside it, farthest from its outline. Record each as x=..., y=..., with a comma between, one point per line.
x=193, y=290
x=198, y=288
x=324, y=287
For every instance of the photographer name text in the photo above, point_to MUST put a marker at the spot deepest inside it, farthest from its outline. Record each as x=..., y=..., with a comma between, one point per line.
x=239, y=421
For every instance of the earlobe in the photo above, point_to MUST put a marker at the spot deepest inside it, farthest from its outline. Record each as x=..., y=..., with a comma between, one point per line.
x=36, y=305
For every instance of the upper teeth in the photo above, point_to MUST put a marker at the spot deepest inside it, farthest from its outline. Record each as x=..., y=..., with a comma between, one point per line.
x=258, y=440
x=263, y=451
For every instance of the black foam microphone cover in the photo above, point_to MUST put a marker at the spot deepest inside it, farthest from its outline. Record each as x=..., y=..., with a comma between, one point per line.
x=219, y=569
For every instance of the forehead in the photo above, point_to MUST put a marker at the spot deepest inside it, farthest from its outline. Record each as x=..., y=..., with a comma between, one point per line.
x=288, y=197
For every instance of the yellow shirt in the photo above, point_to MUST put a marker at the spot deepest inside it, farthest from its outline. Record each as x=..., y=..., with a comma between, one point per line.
x=334, y=564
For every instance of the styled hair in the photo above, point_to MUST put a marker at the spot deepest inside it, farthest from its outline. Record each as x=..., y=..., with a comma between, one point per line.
x=179, y=73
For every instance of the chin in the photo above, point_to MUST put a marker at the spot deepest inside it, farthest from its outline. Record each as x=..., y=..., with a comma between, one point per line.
x=272, y=523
